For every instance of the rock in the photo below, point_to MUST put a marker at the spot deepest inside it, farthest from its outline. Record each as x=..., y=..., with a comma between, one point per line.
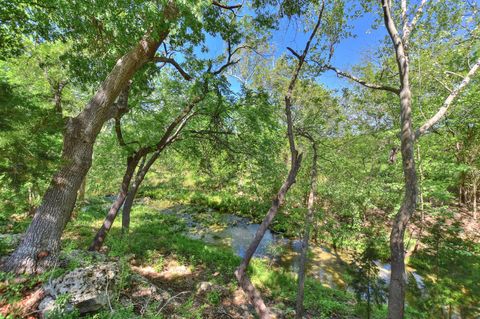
x=205, y=287
x=87, y=288
x=46, y=306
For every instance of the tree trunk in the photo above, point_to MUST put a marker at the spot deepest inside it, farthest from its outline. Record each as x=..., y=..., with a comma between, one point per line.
x=396, y=296
x=127, y=208
x=240, y=273
x=39, y=248
x=295, y=162
x=369, y=303
x=306, y=234
x=422, y=202
x=112, y=213
x=132, y=192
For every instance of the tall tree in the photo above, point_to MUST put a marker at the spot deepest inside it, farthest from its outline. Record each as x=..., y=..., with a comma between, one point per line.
x=295, y=162
x=39, y=248
x=308, y=222
x=401, y=45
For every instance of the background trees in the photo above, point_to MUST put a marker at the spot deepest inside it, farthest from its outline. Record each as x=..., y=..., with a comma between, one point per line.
x=213, y=71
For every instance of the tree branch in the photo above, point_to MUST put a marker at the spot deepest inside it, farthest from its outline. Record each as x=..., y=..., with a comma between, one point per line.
x=411, y=26
x=294, y=52
x=177, y=66
x=363, y=82
x=229, y=62
x=404, y=16
x=448, y=101
x=118, y=131
x=227, y=7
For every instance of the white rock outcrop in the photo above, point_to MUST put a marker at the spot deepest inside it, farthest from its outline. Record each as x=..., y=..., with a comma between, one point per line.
x=87, y=289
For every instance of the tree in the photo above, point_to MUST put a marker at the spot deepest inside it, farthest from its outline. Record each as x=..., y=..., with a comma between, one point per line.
x=308, y=222
x=32, y=120
x=408, y=136
x=39, y=248
x=137, y=161
x=295, y=162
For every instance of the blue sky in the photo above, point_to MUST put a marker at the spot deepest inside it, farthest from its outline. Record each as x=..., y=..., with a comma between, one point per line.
x=348, y=52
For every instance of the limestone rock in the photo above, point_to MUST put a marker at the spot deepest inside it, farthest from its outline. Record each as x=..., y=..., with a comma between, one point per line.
x=87, y=288
x=46, y=305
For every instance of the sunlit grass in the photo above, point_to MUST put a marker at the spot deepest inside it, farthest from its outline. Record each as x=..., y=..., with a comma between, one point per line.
x=154, y=235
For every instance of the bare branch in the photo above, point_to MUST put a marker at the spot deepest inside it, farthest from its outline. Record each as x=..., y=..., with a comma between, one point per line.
x=172, y=129
x=294, y=52
x=363, y=82
x=411, y=26
x=177, y=66
x=227, y=7
x=443, y=110
x=444, y=85
x=180, y=127
x=404, y=16
x=201, y=132
x=226, y=65
x=229, y=62
x=390, y=25
x=453, y=73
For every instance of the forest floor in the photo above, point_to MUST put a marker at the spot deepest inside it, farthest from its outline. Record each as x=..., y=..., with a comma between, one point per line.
x=198, y=276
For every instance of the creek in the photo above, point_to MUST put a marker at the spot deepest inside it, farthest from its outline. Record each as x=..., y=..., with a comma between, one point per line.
x=324, y=264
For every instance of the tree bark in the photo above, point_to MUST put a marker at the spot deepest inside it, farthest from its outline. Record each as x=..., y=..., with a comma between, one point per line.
x=396, y=297
x=132, y=192
x=306, y=234
x=39, y=248
x=132, y=163
x=475, y=182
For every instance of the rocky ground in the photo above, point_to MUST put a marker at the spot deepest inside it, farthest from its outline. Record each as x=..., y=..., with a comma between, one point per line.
x=98, y=283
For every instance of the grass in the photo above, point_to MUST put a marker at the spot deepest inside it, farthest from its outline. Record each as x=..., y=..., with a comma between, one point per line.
x=154, y=235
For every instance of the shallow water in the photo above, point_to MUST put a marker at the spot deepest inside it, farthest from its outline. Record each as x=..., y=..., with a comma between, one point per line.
x=324, y=264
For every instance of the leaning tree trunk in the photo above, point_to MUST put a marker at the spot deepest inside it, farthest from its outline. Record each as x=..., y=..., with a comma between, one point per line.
x=396, y=296
x=295, y=162
x=306, y=235
x=247, y=286
x=132, y=163
x=39, y=248
x=132, y=192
